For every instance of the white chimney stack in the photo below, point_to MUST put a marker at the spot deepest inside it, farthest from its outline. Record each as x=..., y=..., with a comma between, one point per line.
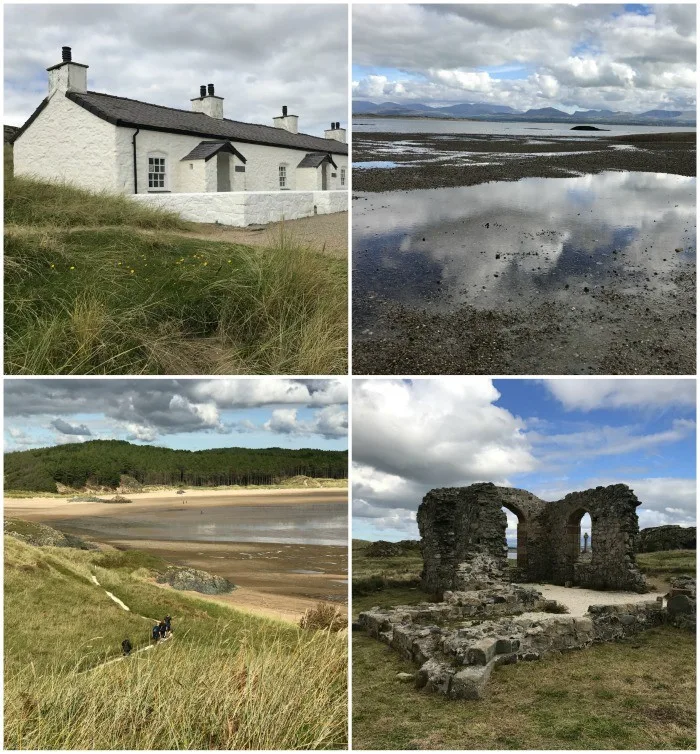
x=67, y=76
x=287, y=122
x=335, y=132
x=208, y=103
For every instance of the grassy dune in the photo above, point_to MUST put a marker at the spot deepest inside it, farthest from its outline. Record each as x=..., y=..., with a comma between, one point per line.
x=636, y=694
x=227, y=680
x=95, y=284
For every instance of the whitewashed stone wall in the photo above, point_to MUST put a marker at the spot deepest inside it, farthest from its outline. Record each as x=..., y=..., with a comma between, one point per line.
x=67, y=143
x=250, y=207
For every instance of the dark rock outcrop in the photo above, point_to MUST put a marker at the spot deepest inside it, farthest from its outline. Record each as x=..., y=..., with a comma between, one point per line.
x=383, y=549
x=192, y=579
x=657, y=538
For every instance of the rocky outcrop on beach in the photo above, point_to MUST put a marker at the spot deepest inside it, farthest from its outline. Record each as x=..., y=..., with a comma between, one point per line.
x=41, y=535
x=192, y=579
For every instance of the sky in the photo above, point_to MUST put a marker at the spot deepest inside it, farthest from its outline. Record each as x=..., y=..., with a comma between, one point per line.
x=550, y=437
x=190, y=414
x=630, y=58
x=259, y=57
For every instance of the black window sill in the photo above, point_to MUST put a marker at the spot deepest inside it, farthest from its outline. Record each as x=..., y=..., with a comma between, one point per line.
x=158, y=191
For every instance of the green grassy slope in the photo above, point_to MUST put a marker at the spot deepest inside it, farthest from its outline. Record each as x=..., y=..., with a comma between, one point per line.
x=95, y=284
x=227, y=679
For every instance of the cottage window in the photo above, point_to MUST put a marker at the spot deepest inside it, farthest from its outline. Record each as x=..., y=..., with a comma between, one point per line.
x=342, y=176
x=156, y=172
x=283, y=176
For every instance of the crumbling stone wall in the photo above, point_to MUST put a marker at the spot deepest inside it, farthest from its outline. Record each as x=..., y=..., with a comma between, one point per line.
x=456, y=656
x=657, y=538
x=614, y=537
x=463, y=538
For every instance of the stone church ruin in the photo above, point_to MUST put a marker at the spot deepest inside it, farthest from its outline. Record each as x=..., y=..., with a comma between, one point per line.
x=458, y=523
x=487, y=615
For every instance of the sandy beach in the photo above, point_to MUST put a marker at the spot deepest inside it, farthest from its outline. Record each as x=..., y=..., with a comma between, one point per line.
x=48, y=508
x=277, y=579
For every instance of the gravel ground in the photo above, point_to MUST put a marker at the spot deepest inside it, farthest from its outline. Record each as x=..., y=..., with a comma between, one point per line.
x=578, y=600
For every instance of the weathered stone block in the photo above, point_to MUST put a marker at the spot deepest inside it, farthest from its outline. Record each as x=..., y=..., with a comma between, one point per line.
x=470, y=682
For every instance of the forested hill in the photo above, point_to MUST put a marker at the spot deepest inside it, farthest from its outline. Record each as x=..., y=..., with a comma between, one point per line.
x=102, y=463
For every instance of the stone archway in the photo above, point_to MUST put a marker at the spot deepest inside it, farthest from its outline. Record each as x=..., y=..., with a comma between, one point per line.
x=521, y=535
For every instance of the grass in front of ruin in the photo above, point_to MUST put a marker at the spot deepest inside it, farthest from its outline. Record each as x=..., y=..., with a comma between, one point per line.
x=227, y=680
x=634, y=694
x=97, y=284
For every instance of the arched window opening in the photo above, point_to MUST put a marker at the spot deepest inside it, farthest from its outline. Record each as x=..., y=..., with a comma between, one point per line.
x=586, y=543
x=516, y=538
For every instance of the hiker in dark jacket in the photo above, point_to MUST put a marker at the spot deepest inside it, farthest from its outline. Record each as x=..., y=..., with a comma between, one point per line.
x=155, y=632
x=126, y=647
x=168, y=627
x=162, y=629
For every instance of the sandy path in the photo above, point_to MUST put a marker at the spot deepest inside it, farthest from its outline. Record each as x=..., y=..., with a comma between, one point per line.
x=578, y=600
x=327, y=234
x=123, y=606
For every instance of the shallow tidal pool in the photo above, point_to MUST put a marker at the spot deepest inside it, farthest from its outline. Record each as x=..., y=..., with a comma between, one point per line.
x=506, y=244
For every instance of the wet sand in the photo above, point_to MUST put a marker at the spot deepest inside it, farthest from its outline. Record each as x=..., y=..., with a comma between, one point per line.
x=436, y=160
x=276, y=579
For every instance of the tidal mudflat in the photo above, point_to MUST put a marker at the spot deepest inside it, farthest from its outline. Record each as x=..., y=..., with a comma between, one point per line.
x=524, y=254
x=284, y=549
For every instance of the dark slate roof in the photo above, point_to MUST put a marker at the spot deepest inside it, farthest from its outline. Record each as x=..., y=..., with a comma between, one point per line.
x=314, y=159
x=205, y=150
x=134, y=114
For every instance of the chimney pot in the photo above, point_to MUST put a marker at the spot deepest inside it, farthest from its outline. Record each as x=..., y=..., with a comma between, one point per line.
x=210, y=90
x=66, y=54
x=203, y=91
x=284, y=111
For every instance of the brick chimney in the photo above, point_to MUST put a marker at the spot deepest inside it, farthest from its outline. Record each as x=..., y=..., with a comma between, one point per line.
x=287, y=122
x=208, y=103
x=67, y=76
x=335, y=132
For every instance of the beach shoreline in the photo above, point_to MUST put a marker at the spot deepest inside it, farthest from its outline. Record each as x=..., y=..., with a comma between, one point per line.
x=430, y=161
x=279, y=580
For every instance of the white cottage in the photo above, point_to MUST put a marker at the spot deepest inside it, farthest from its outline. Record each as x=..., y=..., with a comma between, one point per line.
x=196, y=162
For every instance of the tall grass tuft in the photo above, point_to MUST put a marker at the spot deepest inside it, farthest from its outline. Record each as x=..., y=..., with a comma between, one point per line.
x=323, y=616
x=261, y=692
x=96, y=284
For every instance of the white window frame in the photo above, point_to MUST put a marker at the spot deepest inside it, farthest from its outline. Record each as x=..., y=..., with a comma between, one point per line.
x=158, y=180
x=283, y=176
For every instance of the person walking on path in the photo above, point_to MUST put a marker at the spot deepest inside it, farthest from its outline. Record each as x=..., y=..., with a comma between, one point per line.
x=155, y=632
x=168, y=627
x=162, y=629
x=126, y=647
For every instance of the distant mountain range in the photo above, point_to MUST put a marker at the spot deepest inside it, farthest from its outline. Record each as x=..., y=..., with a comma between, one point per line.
x=481, y=111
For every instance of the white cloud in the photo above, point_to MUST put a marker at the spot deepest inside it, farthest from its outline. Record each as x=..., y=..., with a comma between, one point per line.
x=589, y=394
x=568, y=56
x=270, y=390
x=329, y=422
x=259, y=56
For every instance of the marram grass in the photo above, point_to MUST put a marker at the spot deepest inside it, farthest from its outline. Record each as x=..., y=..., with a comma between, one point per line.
x=227, y=679
x=263, y=693
x=96, y=284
